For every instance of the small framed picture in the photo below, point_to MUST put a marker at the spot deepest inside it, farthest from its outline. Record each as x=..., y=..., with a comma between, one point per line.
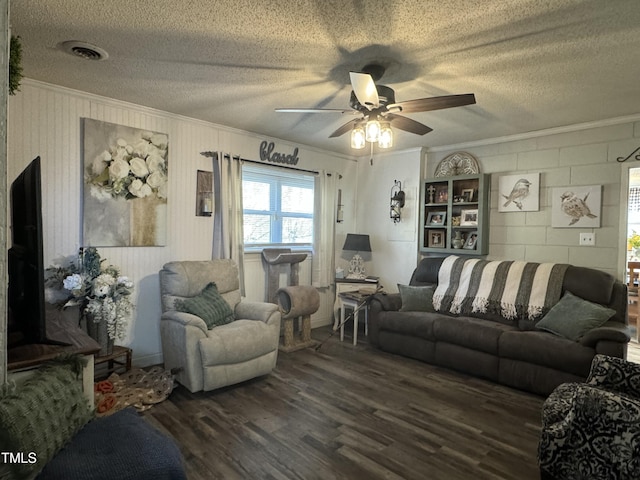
x=470, y=242
x=468, y=194
x=469, y=218
x=437, y=238
x=442, y=194
x=436, y=218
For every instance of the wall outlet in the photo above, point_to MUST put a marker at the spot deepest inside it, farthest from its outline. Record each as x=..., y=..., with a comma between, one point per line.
x=588, y=239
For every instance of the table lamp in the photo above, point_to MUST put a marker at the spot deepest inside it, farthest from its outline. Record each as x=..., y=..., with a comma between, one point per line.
x=356, y=243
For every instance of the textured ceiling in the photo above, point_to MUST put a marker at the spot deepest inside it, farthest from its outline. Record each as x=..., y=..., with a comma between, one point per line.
x=532, y=64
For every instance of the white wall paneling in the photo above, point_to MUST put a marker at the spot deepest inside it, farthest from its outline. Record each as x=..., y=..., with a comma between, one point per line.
x=45, y=120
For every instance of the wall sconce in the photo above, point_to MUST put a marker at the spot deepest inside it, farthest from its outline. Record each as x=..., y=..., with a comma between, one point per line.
x=397, y=201
x=204, y=193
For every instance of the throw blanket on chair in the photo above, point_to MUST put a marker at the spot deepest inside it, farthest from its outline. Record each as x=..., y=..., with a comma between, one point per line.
x=514, y=289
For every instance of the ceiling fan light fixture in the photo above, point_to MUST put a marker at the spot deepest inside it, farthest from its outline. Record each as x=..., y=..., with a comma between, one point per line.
x=385, y=140
x=357, y=137
x=372, y=131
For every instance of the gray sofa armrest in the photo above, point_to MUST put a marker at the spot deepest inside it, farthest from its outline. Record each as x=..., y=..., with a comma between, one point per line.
x=386, y=302
x=610, y=331
x=184, y=319
x=256, y=311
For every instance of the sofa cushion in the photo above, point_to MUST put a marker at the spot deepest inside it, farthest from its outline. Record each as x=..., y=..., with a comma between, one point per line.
x=470, y=332
x=208, y=305
x=236, y=342
x=546, y=349
x=572, y=317
x=416, y=299
x=419, y=324
x=590, y=284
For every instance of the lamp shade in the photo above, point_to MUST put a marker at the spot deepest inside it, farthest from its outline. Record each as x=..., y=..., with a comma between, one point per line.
x=356, y=242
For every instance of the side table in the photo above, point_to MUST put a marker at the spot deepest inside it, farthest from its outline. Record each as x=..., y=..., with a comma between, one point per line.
x=344, y=285
x=120, y=358
x=356, y=301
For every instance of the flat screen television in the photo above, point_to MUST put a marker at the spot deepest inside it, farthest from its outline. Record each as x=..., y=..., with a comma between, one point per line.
x=27, y=319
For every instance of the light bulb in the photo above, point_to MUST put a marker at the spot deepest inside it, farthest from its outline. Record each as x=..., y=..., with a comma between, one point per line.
x=386, y=137
x=357, y=138
x=372, y=130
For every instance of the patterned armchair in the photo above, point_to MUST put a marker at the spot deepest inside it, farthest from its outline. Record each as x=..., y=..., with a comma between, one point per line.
x=592, y=430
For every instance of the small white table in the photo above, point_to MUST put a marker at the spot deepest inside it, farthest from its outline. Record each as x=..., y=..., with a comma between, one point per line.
x=355, y=301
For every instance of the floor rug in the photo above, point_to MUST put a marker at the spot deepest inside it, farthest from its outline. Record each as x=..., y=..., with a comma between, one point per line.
x=138, y=388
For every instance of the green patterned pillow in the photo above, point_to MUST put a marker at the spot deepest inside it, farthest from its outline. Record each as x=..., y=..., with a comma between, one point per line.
x=209, y=306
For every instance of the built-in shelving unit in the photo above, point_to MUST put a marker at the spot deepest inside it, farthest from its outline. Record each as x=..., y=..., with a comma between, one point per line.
x=454, y=216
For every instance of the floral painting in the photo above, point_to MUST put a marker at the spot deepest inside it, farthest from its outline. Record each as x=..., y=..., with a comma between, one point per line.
x=125, y=185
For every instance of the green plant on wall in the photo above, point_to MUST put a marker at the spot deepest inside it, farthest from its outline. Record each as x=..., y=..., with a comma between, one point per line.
x=15, y=65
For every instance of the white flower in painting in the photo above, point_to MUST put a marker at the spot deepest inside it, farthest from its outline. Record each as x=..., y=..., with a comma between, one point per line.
x=147, y=135
x=100, y=163
x=121, y=143
x=140, y=189
x=139, y=167
x=160, y=140
x=141, y=149
x=156, y=180
x=118, y=169
x=162, y=190
x=155, y=163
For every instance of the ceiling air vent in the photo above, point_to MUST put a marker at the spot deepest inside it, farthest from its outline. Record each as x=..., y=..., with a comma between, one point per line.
x=84, y=50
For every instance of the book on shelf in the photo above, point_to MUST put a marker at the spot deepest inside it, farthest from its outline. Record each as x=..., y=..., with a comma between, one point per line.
x=372, y=279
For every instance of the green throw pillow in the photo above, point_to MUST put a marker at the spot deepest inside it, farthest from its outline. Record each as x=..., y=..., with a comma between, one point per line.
x=209, y=306
x=572, y=317
x=416, y=299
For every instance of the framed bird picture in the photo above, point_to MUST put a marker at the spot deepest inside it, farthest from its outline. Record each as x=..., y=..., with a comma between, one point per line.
x=576, y=206
x=519, y=193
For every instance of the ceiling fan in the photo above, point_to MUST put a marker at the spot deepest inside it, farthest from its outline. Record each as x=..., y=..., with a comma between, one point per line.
x=376, y=109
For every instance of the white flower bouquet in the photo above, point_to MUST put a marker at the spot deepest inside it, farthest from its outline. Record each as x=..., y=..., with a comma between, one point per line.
x=101, y=292
x=131, y=171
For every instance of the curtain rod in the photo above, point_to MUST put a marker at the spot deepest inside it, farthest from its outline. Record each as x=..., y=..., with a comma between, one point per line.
x=237, y=157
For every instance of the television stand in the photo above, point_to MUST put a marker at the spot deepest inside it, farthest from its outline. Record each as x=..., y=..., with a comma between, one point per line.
x=64, y=336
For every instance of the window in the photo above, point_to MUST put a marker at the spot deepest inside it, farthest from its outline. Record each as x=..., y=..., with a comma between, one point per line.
x=278, y=207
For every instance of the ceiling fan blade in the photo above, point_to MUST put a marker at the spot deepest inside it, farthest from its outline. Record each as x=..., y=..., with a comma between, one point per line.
x=435, y=103
x=345, y=128
x=365, y=89
x=407, y=124
x=316, y=110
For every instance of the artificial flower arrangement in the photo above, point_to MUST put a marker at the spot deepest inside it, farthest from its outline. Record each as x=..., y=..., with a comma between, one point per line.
x=101, y=292
x=129, y=171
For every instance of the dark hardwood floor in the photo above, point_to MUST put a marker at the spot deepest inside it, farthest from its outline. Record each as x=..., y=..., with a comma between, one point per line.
x=348, y=412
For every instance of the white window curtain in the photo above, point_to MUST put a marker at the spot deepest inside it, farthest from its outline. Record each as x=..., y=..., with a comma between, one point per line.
x=228, y=239
x=324, y=225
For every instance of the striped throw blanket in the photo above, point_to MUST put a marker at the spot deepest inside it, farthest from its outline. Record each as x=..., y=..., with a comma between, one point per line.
x=514, y=289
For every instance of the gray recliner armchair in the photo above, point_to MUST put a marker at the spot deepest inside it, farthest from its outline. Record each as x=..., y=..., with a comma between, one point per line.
x=226, y=354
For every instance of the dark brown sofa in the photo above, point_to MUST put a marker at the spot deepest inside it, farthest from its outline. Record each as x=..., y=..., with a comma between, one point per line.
x=511, y=354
